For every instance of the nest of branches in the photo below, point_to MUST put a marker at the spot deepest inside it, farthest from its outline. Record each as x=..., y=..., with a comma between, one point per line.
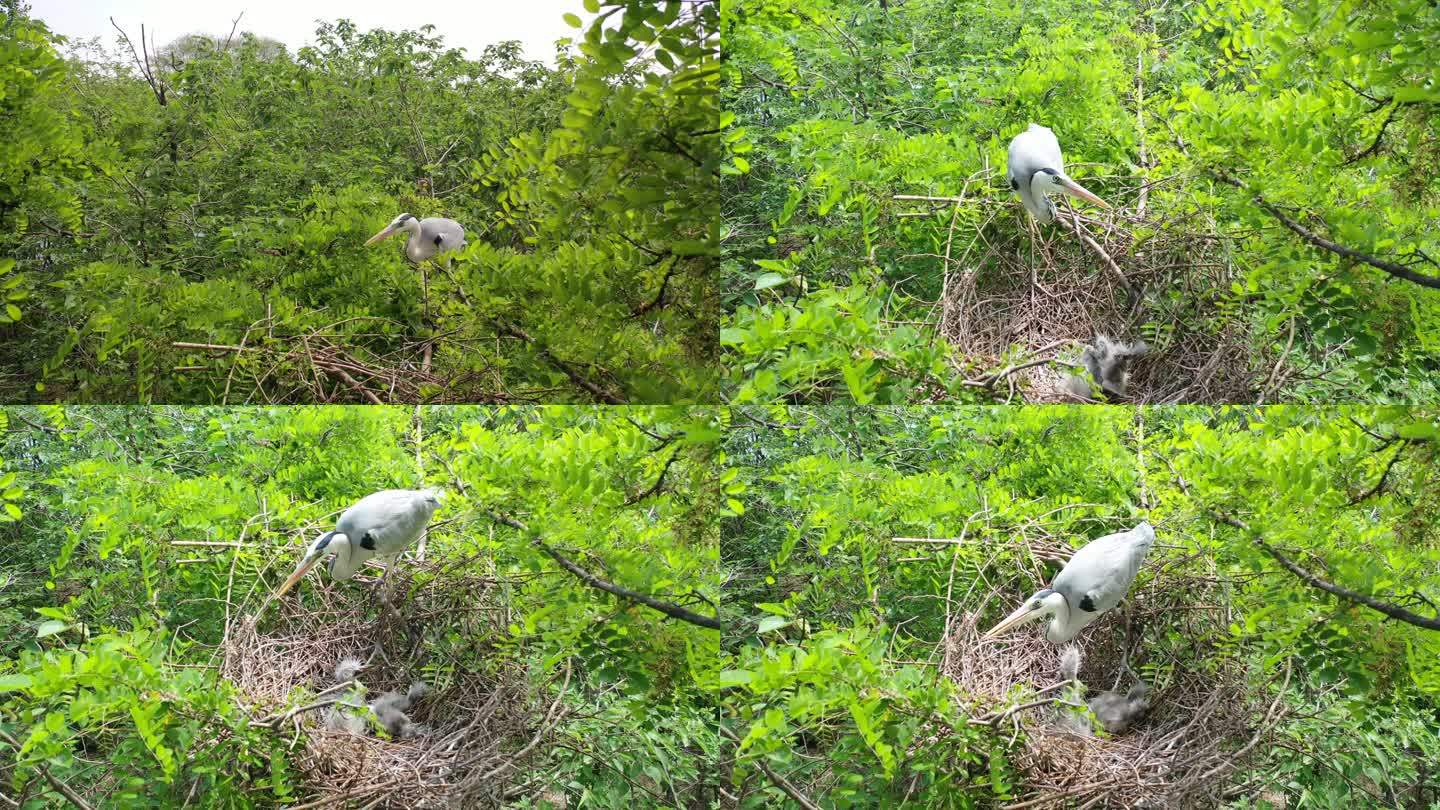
x=482, y=719
x=324, y=365
x=1206, y=715
x=1048, y=290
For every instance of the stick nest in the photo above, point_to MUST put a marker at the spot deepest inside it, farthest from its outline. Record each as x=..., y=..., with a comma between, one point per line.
x=1045, y=292
x=1205, y=714
x=484, y=718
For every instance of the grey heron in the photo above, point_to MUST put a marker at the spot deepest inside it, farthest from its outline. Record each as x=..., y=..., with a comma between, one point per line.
x=427, y=239
x=1091, y=583
x=381, y=524
x=1036, y=168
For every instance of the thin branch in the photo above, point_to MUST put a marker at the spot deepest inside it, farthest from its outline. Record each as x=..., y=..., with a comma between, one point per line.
x=64, y=789
x=1396, y=270
x=1307, y=577
x=602, y=394
x=1108, y=262
x=1373, y=491
x=659, y=480
x=673, y=611
x=231, y=35
x=776, y=779
x=659, y=296
x=1375, y=144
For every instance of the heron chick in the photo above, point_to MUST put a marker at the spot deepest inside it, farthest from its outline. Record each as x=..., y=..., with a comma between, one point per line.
x=1112, y=711
x=1108, y=361
x=390, y=709
x=1116, y=712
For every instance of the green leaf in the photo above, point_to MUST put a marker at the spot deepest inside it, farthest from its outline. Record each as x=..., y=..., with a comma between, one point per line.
x=771, y=623
x=50, y=628
x=769, y=280
x=735, y=677
x=572, y=20
x=11, y=683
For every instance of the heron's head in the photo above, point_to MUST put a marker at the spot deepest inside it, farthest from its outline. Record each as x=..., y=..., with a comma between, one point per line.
x=327, y=544
x=435, y=496
x=1056, y=181
x=1044, y=602
x=404, y=222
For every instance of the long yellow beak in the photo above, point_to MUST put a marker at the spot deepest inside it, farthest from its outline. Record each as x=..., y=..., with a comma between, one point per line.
x=1020, y=616
x=1076, y=190
x=389, y=229
x=305, y=565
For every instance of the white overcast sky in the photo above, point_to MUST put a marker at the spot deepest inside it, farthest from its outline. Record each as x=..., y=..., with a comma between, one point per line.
x=468, y=24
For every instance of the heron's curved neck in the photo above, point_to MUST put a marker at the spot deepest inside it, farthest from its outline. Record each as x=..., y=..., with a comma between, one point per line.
x=343, y=564
x=1059, y=629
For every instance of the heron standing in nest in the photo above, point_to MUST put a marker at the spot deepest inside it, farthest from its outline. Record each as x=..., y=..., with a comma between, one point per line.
x=1091, y=583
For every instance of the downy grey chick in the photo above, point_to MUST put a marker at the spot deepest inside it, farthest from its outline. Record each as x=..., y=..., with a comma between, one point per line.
x=1115, y=712
x=1108, y=362
x=347, y=669
x=1072, y=718
x=390, y=709
x=348, y=713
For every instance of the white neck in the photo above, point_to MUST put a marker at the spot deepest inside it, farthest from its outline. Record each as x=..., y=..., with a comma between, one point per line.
x=1059, y=629
x=343, y=564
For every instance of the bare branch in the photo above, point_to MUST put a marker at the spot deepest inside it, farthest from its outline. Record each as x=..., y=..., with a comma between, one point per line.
x=776, y=779
x=673, y=611
x=1396, y=270
x=64, y=789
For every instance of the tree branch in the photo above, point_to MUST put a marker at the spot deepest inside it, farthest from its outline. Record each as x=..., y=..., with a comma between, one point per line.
x=1371, y=492
x=776, y=779
x=659, y=480
x=602, y=394
x=673, y=611
x=1308, y=578
x=64, y=789
x=1396, y=270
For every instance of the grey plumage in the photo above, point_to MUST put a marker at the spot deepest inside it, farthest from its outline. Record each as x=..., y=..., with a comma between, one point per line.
x=1116, y=712
x=1108, y=362
x=1070, y=663
x=347, y=669
x=381, y=524
x=340, y=720
x=1091, y=583
x=1112, y=711
x=1035, y=168
x=390, y=710
x=1098, y=575
x=427, y=238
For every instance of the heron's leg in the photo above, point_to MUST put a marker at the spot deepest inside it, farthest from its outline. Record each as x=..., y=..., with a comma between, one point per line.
x=425, y=291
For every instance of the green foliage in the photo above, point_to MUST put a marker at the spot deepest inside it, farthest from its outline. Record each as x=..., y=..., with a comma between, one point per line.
x=116, y=613
x=114, y=695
